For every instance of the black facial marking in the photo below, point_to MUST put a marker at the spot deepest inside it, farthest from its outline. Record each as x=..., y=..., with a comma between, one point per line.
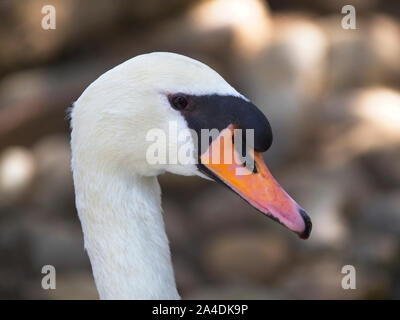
x=218, y=112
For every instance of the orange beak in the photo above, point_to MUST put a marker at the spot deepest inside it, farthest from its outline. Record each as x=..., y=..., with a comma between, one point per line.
x=258, y=187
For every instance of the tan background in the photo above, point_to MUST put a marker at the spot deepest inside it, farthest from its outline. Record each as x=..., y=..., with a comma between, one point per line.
x=332, y=97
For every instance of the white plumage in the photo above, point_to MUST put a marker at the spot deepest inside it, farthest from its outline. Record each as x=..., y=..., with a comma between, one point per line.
x=117, y=193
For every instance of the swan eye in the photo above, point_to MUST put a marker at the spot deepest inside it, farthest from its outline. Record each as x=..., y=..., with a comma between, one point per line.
x=179, y=102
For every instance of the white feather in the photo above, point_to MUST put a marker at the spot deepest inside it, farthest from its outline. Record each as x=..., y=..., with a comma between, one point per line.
x=117, y=193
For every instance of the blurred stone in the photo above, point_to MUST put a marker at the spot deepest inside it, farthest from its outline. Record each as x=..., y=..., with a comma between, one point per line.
x=22, y=85
x=76, y=286
x=15, y=263
x=382, y=167
x=284, y=78
x=77, y=24
x=215, y=32
x=373, y=117
x=235, y=292
x=17, y=169
x=323, y=192
x=373, y=249
x=382, y=213
x=384, y=41
x=321, y=278
x=248, y=256
x=218, y=208
x=176, y=225
x=349, y=53
x=363, y=56
x=334, y=5
x=379, y=107
x=248, y=19
x=27, y=243
x=34, y=102
x=172, y=184
x=186, y=275
x=53, y=186
x=56, y=243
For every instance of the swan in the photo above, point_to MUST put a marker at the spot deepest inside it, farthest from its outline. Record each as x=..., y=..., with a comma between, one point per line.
x=117, y=194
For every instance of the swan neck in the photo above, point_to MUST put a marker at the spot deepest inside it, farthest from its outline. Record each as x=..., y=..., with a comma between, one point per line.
x=124, y=234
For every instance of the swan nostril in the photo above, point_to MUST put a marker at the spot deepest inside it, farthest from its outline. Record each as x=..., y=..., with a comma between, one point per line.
x=255, y=171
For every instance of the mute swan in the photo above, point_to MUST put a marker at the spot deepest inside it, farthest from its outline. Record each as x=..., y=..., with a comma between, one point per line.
x=118, y=197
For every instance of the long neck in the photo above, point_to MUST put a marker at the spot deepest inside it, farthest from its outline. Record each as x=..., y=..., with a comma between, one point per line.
x=124, y=234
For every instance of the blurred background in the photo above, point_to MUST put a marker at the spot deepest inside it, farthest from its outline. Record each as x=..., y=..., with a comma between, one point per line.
x=333, y=99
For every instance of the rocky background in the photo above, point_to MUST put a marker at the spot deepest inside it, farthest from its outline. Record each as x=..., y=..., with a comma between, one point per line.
x=333, y=99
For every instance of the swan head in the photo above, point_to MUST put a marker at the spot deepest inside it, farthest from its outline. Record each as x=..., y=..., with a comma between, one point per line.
x=164, y=112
